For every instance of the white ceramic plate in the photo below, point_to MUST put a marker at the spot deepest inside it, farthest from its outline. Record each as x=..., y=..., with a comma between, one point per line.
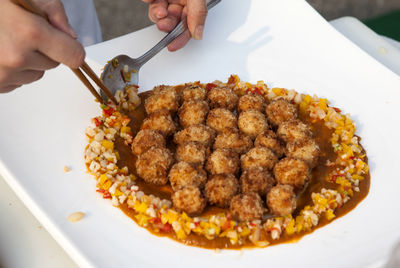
x=285, y=43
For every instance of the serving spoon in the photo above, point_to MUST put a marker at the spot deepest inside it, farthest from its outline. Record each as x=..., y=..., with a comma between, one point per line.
x=123, y=70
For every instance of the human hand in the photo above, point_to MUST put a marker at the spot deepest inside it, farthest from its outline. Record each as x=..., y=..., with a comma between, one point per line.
x=29, y=45
x=168, y=13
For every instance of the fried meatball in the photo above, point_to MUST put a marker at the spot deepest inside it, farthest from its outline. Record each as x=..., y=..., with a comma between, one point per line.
x=145, y=139
x=189, y=200
x=281, y=200
x=247, y=207
x=279, y=111
x=259, y=157
x=164, y=97
x=194, y=93
x=193, y=113
x=230, y=138
x=220, y=189
x=305, y=149
x=183, y=174
x=220, y=118
x=292, y=171
x=200, y=133
x=293, y=130
x=221, y=97
x=251, y=102
x=257, y=180
x=252, y=123
x=160, y=120
x=192, y=152
x=270, y=140
x=223, y=161
x=153, y=165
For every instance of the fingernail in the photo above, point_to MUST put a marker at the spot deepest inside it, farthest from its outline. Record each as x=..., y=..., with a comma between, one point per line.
x=198, y=32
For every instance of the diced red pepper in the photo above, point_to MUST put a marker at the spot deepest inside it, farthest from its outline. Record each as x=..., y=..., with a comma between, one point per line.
x=107, y=195
x=231, y=79
x=166, y=228
x=337, y=109
x=257, y=91
x=96, y=121
x=210, y=86
x=122, y=75
x=109, y=111
x=253, y=224
x=100, y=191
x=272, y=228
x=156, y=220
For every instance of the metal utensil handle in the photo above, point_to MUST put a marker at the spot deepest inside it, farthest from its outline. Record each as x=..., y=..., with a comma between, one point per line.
x=177, y=31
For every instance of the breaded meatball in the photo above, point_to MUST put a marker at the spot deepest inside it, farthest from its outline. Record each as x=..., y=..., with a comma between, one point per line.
x=163, y=97
x=256, y=180
x=200, y=133
x=220, y=118
x=281, y=200
x=193, y=93
x=306, y=149
x=259, y=157
x=193, y=113
x=159, y=88
x=189, y=200
x=247, y=207
x=192, y=152
x=160, y=120
x=292, y=171
x=270, y=140
x=221, y=97
x=252, y=123
x=293, y=130
x=183, y=174
x=279, y=111
x=223, y=161
x=230, y=138
x=153, y=165
x=220, y=189
x=145, y=139
x=251, y=102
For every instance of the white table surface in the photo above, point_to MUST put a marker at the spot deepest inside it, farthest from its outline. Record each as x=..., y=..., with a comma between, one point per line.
x=25, y=243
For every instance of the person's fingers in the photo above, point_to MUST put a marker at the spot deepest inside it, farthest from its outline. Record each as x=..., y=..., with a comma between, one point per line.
x=57, y=45
x=38, y=61
x=174, y=16
x=29, y=76
x=8, y=88
x=148, y=1
x=23, y=77
x=196, y=17
x=158, y=9
x=57, y=16
x=180, y=41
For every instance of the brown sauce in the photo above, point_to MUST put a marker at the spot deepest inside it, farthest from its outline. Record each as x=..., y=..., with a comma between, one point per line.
x=317, y=182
